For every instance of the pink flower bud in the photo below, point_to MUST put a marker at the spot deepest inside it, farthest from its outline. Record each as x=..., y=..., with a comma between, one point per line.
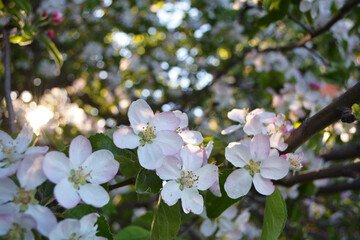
x=57, y=17
x=50, y=33
x=315, y=86
x=44, y=14
x=283, y=156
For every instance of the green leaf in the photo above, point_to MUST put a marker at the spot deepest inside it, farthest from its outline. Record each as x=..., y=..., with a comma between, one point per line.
x=166, y=223
x=147, y=182
x=275, y=216
x=52, y=50
x=133, y=233
x=145, y=220
x=277, y=10
x=356, y=111
x=267, y=4
x=24, y=5
x=215, y=206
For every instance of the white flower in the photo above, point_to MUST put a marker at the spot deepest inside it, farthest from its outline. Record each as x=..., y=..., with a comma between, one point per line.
x=83, y=229
x=237, y=115
x=188, y=136
x=257, y=165
x=234, y=230
x=16, y=226
x=80, y=175
x=154, y=135
x=186, y=177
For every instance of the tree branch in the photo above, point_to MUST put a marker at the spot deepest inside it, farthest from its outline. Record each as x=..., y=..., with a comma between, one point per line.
x=351, y=170
x=322, y=119
x=7, y=82
x=302, y=25
x=342, y=153
x=317, y=55
x=355, y=185
x=122, y=184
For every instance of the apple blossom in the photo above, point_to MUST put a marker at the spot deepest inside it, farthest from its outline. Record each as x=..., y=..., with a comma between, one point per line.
x=188, y=136
x=83, y=229
x=18, y=226
x=234, y=229
x=295, y=160
x=237, y=115
x=185, y=177
x=153, y=134
x=257, y=166
x=80, y=175
x=57, y=17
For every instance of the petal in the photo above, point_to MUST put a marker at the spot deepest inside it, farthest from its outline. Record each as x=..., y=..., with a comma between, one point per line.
x=192, y=157
x=184, y=120
x=150, y=156
x=56, y=166
x=231, y=129
x=238, y=115
x=80, y=149
x=208, y=149
x=170, y=169
x=125, y=137
x=215, y=189
x=66, y=194
x=267, y=117
x=24, y=139
x=26, y=221
x=30, y=172
x=274, y=168
x=140, y=114
x=87, y=223
x=8, y=189
x=238, y=183
x=207, y=228
x=253, y=126
x=192, y=201
x=262, y=185
x=9, y=208
x=64, y=229
x=44, y=218
x=191, y=137
x=8, y=171
x=37, y=150
x=169, y=142
x=166, y=121
x=238, y=154
x=6, y=221
x=277, y=141
x=230, y=213
x=94, y=195
x=101, y=165
x=171, y=193
x=208, y=175
x=260, y=147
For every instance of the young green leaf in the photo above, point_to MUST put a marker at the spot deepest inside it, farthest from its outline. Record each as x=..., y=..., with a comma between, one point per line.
x=52, y=50
x=147, y=182
x=133, y=233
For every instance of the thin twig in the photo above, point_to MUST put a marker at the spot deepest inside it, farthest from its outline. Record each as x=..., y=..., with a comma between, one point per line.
x=302, y=25
x=317, y=55
x=7, y=83
x=342, y=153
x=355, y=185
x=122, y=184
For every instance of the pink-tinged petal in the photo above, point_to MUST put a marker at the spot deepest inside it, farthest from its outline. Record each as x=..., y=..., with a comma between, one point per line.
x=30, y=173
x=231, y=129
x=87, y=223
x=253, y=126
x=6, y=221
x=5, y=172
x=169, y=142
x=262, y=185
x=37, y=150
x=192, y=201
x=64, y=229
x=242, y=220
x=66, y=194
x=26, y=221
x=8, y=189
x=125, y=137
x=238, y=115
x=191, y=137
x=208, y=175
x=260, y=147
x=140, y=114
x=274, y=168
x=230, y=213
x=45, y=219
x=238, y=154
x=24, y=138
x=80, y=149
x=184, y=120
x=56, y=166
x=101, y=165
x=94, y=195
x=171, y=193
x=166, y=121
x=215, y=189
x=192, y=157
x=277, y=141
x=150, y=156
x=207, y=228
x=267, y=117
x=238, y=183
x=170, y=169
x=208, y=149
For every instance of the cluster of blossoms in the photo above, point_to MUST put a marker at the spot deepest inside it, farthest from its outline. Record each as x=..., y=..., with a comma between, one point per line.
x=258, y=158
x=77, y=177
x=165, y=144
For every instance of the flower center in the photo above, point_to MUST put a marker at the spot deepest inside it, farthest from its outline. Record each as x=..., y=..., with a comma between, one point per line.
x=147, y=135
x=24, y=198
x=253, y=167
x=187, y=179
x=9, y=153
x=16, y=232
x=74, y=237
x=78, y=177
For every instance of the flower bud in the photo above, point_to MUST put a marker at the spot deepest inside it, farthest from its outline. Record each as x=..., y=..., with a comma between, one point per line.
x=50, y=34
x=57, y=17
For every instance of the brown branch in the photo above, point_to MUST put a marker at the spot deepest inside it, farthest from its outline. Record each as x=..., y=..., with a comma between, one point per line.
x=355, y=185
x=7, y=82
x=317, y=55
x=302, y=25
x=342, y=153
x=311, y=35
x=350, y=170
x=129, y=181
x=322, y=119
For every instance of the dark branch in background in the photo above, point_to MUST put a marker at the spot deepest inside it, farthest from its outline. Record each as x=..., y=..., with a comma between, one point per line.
x=7, y=82
x=322, y=119
x=351, y=170
x=312, y=34
x=355, y=185
x=302, y=25
x=342, y=153
x=318, y=56
x=129, y=181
